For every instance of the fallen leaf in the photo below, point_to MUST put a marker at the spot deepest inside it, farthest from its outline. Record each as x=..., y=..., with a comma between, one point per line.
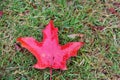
x=112, y=10
x=49, y=53
x=1, y=13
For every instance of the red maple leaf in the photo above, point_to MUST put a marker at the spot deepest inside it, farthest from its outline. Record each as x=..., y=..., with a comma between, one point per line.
x=49, y=53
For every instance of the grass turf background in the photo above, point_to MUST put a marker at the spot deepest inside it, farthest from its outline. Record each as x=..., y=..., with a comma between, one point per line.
x=99, y=59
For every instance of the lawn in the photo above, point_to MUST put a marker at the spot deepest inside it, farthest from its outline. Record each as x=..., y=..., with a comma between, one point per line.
x=97, y=20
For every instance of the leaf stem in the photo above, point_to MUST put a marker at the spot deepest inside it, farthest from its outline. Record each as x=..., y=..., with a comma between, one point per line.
x=50, y=73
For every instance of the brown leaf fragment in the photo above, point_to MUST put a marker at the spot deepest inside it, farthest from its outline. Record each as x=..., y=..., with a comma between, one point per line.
x=107, y=46
x=24, y=13
x=95, y=28
x=33, y=5
x=117, y=4
x=118, y=76
x=18, y=47
x=104, y=71
x=115, y=77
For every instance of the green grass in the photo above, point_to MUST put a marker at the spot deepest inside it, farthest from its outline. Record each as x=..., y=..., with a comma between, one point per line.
x=99, y=59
